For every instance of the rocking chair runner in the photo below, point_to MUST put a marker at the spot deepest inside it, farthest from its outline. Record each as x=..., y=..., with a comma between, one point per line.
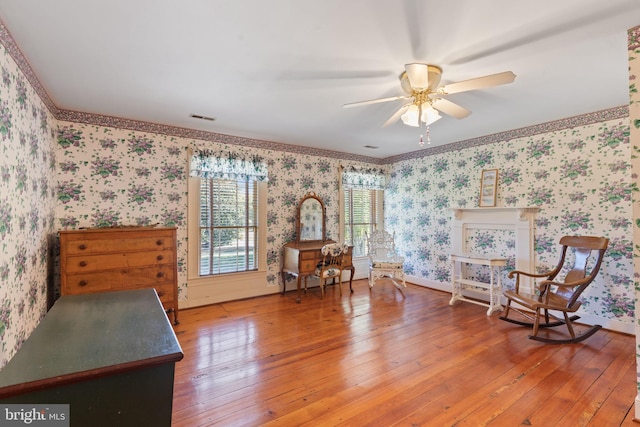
x=551, y=295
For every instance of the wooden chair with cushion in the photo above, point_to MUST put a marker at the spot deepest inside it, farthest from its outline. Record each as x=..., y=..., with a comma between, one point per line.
x=383, y=260
x=552, y=295
x=331, y=265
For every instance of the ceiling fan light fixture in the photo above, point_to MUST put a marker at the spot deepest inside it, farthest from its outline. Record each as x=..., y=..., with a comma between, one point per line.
x=412, y=116
x=430, y=115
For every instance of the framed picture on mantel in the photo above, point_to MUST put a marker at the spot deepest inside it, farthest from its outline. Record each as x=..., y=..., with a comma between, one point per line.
x=488, y=187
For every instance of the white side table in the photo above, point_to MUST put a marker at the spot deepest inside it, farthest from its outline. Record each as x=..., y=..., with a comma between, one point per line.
x=459, y=282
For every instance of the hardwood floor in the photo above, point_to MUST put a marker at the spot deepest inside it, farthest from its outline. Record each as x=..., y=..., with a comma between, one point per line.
x=382, y=358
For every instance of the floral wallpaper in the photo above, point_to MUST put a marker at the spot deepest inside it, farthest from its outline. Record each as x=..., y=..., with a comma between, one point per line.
x=111, y=177
x=27, y=205
x=108, y=178
x=579, y=178
x=634, y=118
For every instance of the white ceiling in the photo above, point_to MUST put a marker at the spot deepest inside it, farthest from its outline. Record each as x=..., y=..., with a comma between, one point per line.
x=280, y=70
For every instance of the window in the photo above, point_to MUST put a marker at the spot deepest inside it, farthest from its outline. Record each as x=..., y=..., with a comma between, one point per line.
x=361, y=214
x=228, y=226
x=362, y=201
x=227, y=218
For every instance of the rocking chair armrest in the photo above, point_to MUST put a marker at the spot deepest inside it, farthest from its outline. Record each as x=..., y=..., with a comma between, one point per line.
x=524, y=273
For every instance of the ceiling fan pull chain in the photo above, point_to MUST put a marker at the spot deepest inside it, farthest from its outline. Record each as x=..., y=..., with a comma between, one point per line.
x=421, y=143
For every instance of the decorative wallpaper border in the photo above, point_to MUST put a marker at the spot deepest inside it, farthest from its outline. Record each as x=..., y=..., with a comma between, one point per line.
x=120, y=123
x=525, y=132
x=95, y=119
x=12, y=48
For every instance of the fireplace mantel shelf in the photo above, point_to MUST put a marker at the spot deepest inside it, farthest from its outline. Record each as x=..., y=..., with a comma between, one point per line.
x=523, y=210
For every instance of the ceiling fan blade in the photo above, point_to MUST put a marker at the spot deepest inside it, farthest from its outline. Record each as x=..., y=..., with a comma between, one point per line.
x=544, y=29
x=374, y=101
x=396, y=115
x=478, y=83
x=450, y=108
x=415, y=27
x=335, y=74
x=418, y=75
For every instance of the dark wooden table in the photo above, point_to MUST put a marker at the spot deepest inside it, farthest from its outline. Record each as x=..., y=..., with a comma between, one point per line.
x=110, y=356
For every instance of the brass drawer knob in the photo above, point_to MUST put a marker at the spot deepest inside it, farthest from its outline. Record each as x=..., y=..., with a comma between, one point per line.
x=83, y=283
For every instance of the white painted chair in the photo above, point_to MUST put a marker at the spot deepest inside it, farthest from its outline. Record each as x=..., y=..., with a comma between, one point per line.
x=383, y=260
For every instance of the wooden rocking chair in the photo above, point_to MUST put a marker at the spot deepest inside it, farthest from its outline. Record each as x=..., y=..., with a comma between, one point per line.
x=551, y=295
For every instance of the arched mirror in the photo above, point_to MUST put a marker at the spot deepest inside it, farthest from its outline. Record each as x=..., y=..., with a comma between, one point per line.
x=311, y=219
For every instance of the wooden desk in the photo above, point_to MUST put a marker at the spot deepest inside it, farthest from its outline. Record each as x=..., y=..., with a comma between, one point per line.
x=301, y=259
x=110, y=356
x=459, y=282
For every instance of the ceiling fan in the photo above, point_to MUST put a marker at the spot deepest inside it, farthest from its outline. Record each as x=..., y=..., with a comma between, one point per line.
x=420, y=84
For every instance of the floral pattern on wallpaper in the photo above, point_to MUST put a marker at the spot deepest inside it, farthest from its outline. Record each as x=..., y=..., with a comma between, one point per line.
x=124, y=179
x=26, y=207
x=114, y=177
x=580, y=179
x=634, y=118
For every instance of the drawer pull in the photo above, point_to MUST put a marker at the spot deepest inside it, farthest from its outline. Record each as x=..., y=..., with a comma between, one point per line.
x=160, y=257
x=83, y=263
x=83, y=283
x=160, y=274
x=82, y=247
x=160, y=242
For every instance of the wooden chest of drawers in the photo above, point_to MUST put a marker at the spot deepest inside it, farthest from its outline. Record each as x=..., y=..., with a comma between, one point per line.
x=111, y=259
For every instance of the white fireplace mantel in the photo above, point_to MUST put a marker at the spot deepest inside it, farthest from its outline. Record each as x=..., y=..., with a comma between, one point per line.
x=519, y=219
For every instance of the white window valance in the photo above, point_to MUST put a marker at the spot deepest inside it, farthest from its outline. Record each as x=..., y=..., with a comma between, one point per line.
x=363, y=178
x=227, y=165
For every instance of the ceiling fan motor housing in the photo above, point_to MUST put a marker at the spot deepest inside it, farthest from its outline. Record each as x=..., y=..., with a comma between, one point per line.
x=434, y=73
